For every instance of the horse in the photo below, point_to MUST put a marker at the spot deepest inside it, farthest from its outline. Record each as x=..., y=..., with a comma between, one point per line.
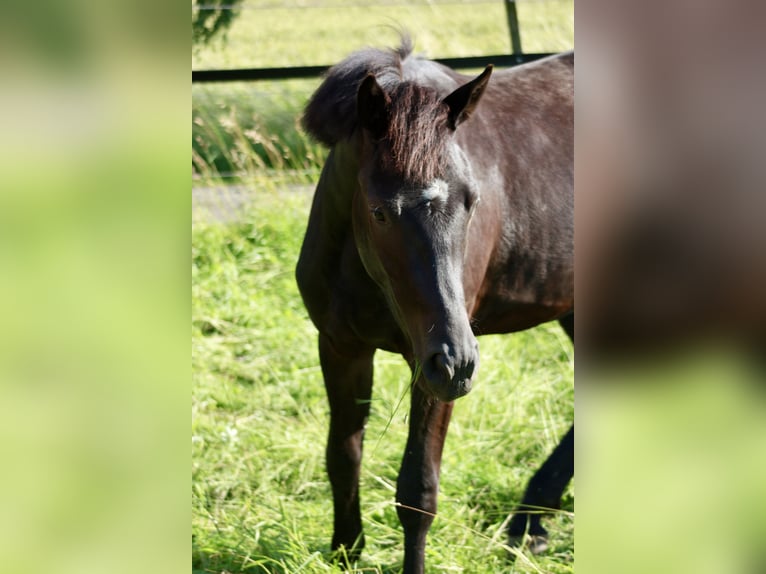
x=444, y=211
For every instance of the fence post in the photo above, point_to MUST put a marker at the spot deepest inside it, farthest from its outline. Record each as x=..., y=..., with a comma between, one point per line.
x=513, y=26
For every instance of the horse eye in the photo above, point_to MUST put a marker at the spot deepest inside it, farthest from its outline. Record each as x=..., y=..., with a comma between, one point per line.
x=378, y=215
x=471, y=199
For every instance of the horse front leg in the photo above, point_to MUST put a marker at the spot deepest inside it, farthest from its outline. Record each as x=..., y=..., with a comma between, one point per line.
x=418, y=484
x=348, y=382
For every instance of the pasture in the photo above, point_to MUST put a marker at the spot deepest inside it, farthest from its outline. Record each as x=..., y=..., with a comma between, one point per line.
x=260, y=496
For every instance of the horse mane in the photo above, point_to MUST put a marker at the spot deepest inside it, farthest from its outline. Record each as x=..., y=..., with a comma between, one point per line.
x=414, y=140
x=330, y=115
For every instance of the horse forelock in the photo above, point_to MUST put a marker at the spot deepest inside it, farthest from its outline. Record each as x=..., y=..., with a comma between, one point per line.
x=413, y=147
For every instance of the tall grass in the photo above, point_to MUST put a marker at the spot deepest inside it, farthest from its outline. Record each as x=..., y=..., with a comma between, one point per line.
x=261, y=500
x=252, y=131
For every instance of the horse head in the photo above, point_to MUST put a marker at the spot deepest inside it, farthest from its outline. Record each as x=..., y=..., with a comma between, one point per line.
x=411, y=216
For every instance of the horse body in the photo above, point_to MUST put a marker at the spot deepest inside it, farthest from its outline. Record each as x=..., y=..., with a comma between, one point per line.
x=527, y=200
x=435, y=219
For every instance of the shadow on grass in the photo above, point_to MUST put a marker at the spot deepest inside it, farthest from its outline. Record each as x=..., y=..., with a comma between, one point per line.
x=274, y=553
x=493, y=506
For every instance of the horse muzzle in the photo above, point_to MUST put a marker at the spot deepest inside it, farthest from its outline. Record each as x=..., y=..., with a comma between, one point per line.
x=449, y=374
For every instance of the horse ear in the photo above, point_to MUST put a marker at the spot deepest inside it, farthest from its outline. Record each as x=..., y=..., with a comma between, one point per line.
x=463, y=101
x=372, y=107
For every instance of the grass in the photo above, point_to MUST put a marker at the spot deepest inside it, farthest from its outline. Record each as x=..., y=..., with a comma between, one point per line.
x=245, y=130
x=270, y=35
x=260, y=497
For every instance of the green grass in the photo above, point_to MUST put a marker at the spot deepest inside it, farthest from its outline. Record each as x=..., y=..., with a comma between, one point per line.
x=260, y=497
x=271, y=37
x=251, y=130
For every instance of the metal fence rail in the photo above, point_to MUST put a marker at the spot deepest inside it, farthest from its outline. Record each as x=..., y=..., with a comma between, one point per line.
x=517, y=56
x=252, y=74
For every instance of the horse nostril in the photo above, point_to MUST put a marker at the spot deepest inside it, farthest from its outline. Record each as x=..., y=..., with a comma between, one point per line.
x=469, y=368
x=440, y=363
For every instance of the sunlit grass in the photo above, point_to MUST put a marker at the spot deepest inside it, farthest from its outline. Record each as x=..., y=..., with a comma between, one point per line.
x=271, y=37
x=250, y=129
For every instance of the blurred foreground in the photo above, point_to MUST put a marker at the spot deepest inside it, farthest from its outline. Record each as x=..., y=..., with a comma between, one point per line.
x=670, y=240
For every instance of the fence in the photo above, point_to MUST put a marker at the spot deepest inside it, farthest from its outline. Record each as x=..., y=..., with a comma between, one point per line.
x=516, y=56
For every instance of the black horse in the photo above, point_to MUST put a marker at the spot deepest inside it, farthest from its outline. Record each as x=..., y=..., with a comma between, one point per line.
x=444, y=211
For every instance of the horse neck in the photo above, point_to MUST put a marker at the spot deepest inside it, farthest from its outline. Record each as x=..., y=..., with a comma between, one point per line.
x=338, y=183
x=330, y=220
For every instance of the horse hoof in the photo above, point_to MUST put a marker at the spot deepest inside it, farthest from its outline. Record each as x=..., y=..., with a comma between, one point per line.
x=535, y=543
x=345, y=555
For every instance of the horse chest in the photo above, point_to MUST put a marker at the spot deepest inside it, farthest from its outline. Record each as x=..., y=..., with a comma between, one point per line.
x=356, y=310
